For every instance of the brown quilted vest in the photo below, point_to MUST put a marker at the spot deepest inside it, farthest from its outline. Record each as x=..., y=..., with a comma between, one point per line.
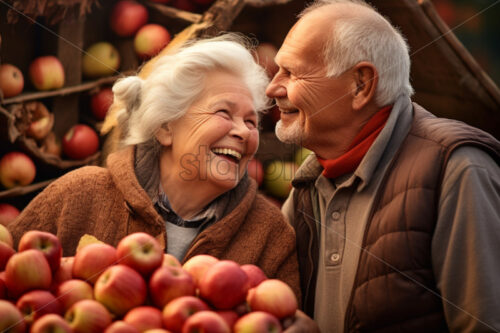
x=399, y=294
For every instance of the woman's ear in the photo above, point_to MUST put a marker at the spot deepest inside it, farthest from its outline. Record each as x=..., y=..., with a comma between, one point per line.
x=164, y=135
x=366, y=81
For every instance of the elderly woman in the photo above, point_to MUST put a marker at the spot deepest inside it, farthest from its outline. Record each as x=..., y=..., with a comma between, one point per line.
x=190, y=130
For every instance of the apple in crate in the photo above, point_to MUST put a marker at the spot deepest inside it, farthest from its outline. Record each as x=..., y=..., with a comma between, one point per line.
x=51, y=323
x=144, y=318
x=140, y=251
x=88, y=316
x=198, y=265
x=168, y=283
x=71, y=291
x=100, y=103
x=80, y=142
x=100, y=59
x=257, y=321
x=119, y=326
x=120, y=288
x=16, y=169
x=11, y=80
x=127, y=17
x=150, y=39
x=6, y=251
x=206, y=322
x=11, y=320
x=176, y=312
x=278, y=178
x=224, y=285
x=8, y=213
x=47, y=73
x=26, y=271
x=46, y=243
x=273, y=296
x=93, y=259
x=42, y=120
x=36, y=303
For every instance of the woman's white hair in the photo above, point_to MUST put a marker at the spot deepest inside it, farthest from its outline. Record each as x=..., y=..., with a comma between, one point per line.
x=358, y=38
x=177, y=79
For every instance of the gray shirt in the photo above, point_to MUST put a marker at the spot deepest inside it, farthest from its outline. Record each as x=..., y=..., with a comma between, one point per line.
x=465, y=244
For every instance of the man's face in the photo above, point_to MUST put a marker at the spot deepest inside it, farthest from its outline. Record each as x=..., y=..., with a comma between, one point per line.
x=311, y=104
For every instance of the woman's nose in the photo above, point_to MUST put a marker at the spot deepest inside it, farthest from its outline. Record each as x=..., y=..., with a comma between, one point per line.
x=240, y=130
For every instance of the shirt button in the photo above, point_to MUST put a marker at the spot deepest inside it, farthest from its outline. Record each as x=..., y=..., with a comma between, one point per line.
x=336, y=215
x=334, y=257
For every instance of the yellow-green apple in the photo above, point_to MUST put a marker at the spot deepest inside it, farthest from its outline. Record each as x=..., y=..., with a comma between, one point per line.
x=144, y=318
x=51, y=323
x=16, y=169
x=265, y=53
x=256, y=170
x=141, y=252
x=71, y=291
x=42, y=120
x=278, y=178
x=120, y=288
x=93, y=259
x=224, y=285
x=301, y=154
x=127, y=17
x=229, y=316
x=11, y=320
x=100, y=102
x=47, y=73
x=206, y=322
x=119, y=326
x=198, y=265
x=46, y=243
x=176, y=312
x=5, y=236
x=36, y=303
x=64, y=273
x=26, y=271
x=150, y=39
x=255, y=275
x=8, y=213
x=6, y=251
x=80, y=142
x=170, y=260
x=273, y=296
x=256, y=322
x=100, y=59
x=168, y=283
x=88, y=316
x=11, y=80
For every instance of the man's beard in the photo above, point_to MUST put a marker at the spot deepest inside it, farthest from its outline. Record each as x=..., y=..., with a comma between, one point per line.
x=290, y=134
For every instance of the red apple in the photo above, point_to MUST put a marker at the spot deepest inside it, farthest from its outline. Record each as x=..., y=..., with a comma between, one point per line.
x=185, y=5
x=157, y=330
x=46, y=242
x=51, y=323
x=255, y=275
x=100, y=102
x=265, y=57
x=144, y=318
x=140, y=251
x=256, y=170
x=41, y=119
x=36, y=303
x=120, y=326
x=8, y=213
x=206, y=322
x=198, y=265
x=71, y=291
x=168, y=283
x=47, y=73
x=80, y=142
x=11, y=80
x=88, y=316
x=64, y=273
x=6, y=252
x=11, y=320
x=179, y=310
x=100, y=59
x=93, y=259
x=127, y=17
x=120, y=288
x=229, y=316
x=16, y=169
x=273, y=296
x=224, y=285
x=150, y=39
x=256, y=322
x=5, y=236
x=170, y=260
x=26, y=271
x=3, y=290
x=203, y=2
x=161, y=1
x=278, y=178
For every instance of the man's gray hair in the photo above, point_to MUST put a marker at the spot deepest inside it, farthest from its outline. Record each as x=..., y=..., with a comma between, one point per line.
x=357, y=38
x=177, y=80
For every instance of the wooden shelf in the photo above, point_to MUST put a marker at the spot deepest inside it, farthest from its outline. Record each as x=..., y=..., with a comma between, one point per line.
x=23, y=190
x=171, y=12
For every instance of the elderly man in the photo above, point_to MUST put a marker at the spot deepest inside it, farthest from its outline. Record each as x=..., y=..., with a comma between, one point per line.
x=397, y=215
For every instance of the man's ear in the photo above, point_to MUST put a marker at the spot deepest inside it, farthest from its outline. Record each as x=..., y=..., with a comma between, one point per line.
x=164, y=135
x=366, y=81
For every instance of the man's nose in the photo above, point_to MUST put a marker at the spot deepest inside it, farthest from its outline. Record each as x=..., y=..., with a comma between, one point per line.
x=276, y=88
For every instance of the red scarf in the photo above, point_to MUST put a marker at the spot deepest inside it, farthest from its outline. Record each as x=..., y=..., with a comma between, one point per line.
x=349, y=161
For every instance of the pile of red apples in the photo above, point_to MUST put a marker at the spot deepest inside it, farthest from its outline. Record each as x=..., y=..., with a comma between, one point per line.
x=133, y=287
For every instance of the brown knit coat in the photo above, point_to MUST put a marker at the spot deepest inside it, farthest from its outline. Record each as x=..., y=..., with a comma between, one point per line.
x=109, y=203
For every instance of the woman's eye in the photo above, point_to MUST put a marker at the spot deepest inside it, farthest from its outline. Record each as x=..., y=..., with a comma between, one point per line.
x=223, y=113
x=251, y=123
